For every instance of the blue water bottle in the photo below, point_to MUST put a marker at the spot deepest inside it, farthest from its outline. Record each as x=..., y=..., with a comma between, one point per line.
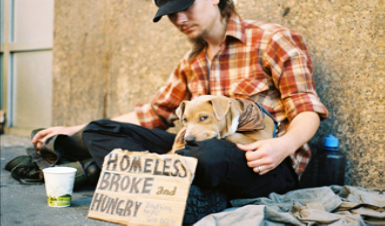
x=329, y=164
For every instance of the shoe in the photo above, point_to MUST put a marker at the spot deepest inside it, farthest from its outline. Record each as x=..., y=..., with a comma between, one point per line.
x=24, y=170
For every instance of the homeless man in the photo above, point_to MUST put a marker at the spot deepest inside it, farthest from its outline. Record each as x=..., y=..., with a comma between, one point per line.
x=253, y=60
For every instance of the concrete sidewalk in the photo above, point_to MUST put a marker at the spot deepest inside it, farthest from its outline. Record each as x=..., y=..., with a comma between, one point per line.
x=27, y=204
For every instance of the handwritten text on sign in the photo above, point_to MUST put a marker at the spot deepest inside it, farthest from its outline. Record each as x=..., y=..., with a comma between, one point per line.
x=139, y=188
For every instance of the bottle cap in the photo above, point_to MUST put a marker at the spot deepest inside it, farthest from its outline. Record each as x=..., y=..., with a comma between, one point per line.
x=331, y=143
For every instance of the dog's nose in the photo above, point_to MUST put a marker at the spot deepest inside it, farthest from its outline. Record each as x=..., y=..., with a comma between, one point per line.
x=189, y=139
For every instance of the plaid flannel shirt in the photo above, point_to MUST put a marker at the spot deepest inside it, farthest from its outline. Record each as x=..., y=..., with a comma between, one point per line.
x=259, y=61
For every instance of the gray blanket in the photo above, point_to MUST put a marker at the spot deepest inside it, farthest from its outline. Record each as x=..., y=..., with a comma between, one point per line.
x=334, y=205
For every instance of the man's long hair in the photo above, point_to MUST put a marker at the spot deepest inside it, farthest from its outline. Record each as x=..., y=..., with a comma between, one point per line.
x=226, y=8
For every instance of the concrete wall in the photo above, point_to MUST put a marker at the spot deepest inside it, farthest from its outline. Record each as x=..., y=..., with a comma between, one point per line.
x=108, y=55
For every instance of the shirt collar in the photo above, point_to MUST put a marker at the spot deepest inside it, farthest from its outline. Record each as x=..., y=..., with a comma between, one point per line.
x=236, y=28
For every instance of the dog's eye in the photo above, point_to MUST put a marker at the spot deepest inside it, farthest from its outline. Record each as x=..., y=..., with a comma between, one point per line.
x=185, y=121
x=203, y=118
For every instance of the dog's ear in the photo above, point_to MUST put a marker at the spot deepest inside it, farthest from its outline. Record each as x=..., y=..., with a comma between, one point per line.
x=180, y=110
x=229, y=110
x=232, y=119
x=221, y=106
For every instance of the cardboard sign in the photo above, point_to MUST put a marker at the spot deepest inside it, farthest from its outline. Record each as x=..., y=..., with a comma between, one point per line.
x=140, y=188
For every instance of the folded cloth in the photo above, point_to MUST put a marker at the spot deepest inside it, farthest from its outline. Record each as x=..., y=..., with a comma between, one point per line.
x=333, y=205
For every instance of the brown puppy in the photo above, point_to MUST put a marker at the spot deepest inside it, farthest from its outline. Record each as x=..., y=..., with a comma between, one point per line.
x=234, y=119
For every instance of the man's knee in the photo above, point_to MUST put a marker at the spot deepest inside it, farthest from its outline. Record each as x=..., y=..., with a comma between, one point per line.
x=102, y=123
x=214, y=158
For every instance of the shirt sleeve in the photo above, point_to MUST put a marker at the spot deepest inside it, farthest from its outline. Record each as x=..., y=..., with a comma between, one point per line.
x=288, y=59
x=160, y=112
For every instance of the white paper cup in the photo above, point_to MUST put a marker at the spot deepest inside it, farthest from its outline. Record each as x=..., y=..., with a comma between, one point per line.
x=59, y=184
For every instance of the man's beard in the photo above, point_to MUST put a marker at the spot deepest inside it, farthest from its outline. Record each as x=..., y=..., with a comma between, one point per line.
x=195, y=40
x=199, y=44
x=199, y=39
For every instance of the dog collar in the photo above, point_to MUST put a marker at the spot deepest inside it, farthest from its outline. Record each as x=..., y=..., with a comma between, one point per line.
x=264, y=111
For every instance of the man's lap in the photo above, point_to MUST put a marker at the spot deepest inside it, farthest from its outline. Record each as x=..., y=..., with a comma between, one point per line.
x=220, y=163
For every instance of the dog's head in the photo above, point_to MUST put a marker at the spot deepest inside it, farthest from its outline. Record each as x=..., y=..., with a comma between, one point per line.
x=209, y=116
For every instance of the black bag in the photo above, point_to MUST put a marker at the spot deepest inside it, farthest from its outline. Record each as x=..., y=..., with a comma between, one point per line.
x=58, y=150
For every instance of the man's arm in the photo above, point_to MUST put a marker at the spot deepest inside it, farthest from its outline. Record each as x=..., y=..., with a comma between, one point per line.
x=291, y=69
x=43, y=135
x=269, y=153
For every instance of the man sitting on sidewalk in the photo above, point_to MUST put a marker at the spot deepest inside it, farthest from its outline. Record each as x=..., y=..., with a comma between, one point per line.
x=253, y=60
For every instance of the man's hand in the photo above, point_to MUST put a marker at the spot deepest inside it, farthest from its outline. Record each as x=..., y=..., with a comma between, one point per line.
x=43, y=135
x=265, y=155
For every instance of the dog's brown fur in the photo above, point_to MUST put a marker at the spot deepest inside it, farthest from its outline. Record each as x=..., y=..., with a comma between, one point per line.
x=210, y=116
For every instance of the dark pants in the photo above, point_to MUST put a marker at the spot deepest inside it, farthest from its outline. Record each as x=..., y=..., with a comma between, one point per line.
x=220, y=163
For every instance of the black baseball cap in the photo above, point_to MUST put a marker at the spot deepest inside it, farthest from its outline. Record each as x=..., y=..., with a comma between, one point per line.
x=170, y=7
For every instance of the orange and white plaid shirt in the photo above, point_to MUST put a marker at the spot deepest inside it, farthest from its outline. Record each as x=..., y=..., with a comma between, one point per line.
x=259, y=61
